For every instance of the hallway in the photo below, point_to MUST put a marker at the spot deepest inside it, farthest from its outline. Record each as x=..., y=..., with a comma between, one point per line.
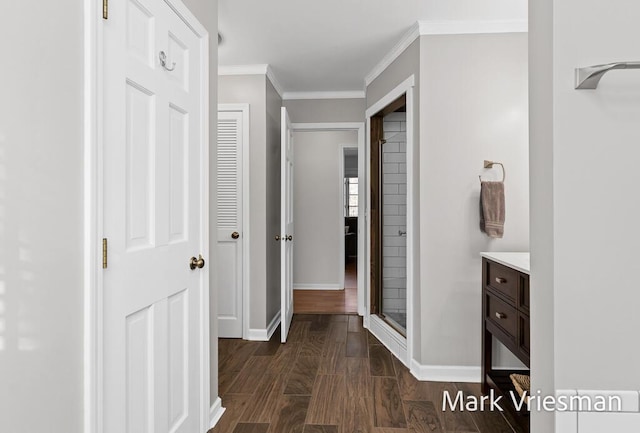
x=330, y=301
x=333, y=376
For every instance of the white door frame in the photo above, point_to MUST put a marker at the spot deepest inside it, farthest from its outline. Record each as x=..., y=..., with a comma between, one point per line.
x=342, y=256
x=359, y=127
x=93, y=78
x=400, y=346
x=246, y=274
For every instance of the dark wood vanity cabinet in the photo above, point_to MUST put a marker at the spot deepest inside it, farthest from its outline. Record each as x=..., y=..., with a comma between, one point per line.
x=505, y=316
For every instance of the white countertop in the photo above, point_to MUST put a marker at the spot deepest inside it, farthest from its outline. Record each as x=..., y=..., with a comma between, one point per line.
x=517, y=261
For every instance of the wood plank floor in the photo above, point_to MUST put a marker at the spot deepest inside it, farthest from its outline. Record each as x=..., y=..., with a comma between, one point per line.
x=330, y=301
x=333, y=376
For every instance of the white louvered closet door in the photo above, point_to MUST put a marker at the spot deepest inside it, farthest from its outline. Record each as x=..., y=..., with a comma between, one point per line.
x=230, y=230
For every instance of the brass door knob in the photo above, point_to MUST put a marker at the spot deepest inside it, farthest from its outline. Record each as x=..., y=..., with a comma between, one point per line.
x=196, y=263
x=288, y=238
x=277, y=237
x=235, y=235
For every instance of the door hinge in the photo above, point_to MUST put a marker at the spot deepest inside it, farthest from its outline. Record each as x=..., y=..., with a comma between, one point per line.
x=105, y=250
x=105, y=9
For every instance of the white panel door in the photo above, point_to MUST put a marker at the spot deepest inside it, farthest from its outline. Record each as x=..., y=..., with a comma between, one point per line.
x=153, y=164
x=230, y=233
x=286, y=245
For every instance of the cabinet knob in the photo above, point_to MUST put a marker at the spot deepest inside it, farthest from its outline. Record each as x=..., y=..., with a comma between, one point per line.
x=501, y=315
x=501, y=280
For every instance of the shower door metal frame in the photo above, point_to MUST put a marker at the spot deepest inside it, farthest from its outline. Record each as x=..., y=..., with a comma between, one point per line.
x=377, y=142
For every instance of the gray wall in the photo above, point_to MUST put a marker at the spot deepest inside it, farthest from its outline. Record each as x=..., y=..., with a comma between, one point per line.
x=41, y=214
x=251, y=89
x=406, y=65
x=542, y=173
x=264, y=189
x=273, y=113
x=588, y=140
x=317, y=207
x=325, y=110
x=351, y=164
x=474, y=107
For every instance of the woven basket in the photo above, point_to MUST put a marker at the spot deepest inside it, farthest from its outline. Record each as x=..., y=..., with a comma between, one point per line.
x=522, y=383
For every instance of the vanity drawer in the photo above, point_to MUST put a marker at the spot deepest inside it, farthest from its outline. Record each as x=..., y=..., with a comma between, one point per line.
x=502, y=314
x=502, y=279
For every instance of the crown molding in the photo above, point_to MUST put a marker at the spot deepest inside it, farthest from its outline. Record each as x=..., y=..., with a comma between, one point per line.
x=407, y=39
x=350, y=94
x=431, y=28
x=428, y=28
x=276, y=84
x=259, y=69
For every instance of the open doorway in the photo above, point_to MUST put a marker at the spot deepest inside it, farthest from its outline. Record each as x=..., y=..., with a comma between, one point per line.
x=350, y=215
x=328, y=240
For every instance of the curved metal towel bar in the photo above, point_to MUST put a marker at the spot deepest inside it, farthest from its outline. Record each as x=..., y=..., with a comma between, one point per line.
x=490, y=164
x=589, y=77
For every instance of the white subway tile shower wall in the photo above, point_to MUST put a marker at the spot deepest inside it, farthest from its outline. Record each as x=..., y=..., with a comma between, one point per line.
x=394, y=188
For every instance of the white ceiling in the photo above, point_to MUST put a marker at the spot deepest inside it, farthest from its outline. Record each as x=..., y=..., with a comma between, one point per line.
x=331, y=45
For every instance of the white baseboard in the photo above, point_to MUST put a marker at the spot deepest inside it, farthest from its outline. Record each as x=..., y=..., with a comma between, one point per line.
x=265, y=334
x=389, y=337
x=445, y=373
x=215, y=413
x=297, y=286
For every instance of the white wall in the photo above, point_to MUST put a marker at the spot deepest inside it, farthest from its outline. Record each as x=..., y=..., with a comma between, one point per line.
x=41, y=182
x=589, y=141
x=474, y=106
x=318, y=209
x=41, y=213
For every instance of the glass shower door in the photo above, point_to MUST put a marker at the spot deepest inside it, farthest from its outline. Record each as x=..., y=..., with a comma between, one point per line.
x=393, y=219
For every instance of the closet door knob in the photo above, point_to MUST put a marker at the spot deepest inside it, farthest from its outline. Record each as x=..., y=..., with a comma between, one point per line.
x=235, y=235
x=288, y=238
x=277, y=237
x=196, y=263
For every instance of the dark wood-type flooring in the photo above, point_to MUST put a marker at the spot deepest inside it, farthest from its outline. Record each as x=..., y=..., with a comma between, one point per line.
x=331, y=301
x=333, y=376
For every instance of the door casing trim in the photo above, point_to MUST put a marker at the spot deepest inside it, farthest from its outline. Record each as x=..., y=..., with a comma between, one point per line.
x=359, y=127
x=406, y=87
x=341, y=172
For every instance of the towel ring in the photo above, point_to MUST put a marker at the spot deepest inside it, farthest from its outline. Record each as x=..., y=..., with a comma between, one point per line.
x=490, y=164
